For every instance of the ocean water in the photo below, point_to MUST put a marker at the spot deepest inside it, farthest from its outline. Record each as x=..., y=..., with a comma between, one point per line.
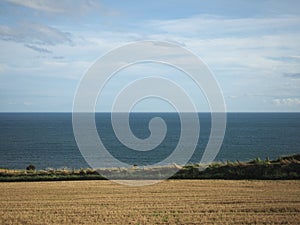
x=46, y=140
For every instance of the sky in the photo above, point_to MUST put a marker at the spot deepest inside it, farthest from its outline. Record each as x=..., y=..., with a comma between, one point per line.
x=251, y=47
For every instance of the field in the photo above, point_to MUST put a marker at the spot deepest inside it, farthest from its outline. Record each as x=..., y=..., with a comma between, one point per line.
x=169, y=202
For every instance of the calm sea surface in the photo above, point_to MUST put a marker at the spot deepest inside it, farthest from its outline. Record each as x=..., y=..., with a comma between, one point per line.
x=47, y=141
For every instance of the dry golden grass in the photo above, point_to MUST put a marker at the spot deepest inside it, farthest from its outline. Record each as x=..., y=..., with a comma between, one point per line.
x=169, y=202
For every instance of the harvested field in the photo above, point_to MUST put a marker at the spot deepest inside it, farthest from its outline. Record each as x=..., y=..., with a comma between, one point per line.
x=169, y=202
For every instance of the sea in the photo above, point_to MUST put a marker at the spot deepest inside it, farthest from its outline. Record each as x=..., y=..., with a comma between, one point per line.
x=46, y=140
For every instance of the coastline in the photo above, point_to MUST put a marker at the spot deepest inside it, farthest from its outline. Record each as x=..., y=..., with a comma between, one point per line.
x=283, y=168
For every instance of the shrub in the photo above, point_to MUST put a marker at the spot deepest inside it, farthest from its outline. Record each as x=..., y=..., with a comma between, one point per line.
x=30, y=167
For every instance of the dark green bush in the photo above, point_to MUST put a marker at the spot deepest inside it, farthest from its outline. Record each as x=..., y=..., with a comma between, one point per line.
x=30, y=167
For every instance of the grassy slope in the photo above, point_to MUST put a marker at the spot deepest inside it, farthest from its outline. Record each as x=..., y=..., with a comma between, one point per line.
x=283, y=168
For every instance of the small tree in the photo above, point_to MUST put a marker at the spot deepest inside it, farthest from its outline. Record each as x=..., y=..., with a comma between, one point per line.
x=30, y=167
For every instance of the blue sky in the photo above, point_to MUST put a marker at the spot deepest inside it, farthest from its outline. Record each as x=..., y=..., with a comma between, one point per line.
x=252, y=47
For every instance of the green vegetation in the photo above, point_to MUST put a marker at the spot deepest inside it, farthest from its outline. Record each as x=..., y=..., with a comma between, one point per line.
x=30, y=167
x=283, y=168
x=49, y=175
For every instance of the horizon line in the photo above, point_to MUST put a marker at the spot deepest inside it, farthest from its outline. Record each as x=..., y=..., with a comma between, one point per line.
x=149, y=112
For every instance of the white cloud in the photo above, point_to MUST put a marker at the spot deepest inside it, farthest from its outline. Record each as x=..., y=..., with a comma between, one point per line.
x=47, y=6
x=2, y=68
x=215, y=26
x=66, y=6
x=37, y=49
x=286, y=101
x=28, y=103
x=34, y=33
x=241, y=46
x=247, y=55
